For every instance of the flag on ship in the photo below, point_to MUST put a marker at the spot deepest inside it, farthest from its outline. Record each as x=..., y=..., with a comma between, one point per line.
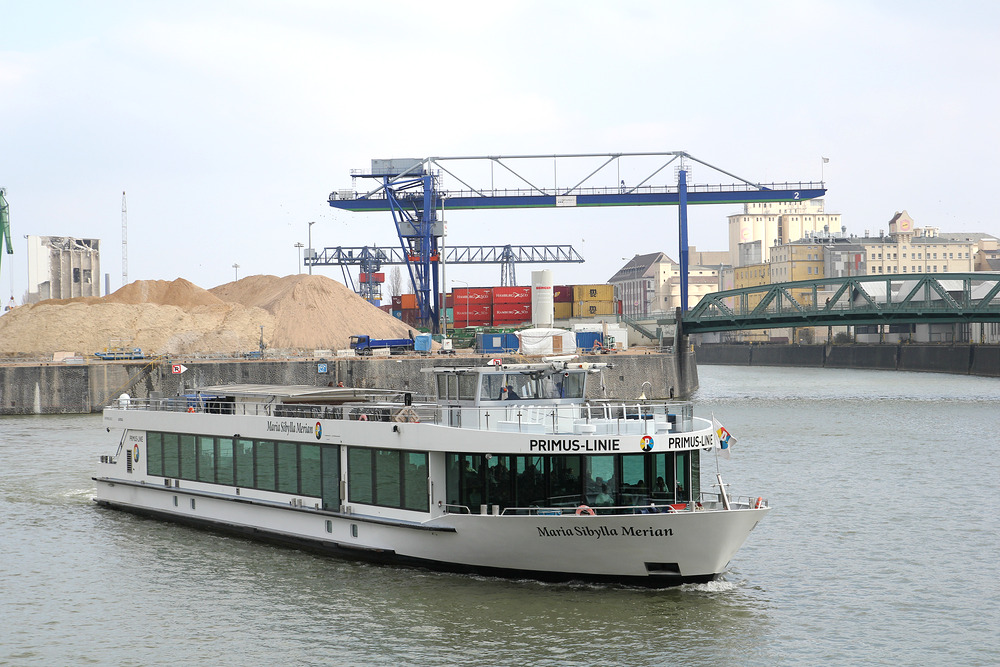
x=723, y=439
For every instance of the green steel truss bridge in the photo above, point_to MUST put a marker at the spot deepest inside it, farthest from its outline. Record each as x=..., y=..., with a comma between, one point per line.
x=896, y=299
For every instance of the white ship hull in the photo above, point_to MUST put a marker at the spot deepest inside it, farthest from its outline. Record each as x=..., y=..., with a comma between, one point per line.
x=647, y=544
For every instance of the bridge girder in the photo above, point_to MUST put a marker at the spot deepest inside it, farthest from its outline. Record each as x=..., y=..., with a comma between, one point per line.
x=896, y=299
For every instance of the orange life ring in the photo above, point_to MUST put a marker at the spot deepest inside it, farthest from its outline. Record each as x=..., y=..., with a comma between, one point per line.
x=190, y=408
x=584, y=510
x=759, y=504
x=363, y=417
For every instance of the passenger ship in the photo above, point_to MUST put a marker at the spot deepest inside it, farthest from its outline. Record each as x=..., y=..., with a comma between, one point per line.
x=510, y=471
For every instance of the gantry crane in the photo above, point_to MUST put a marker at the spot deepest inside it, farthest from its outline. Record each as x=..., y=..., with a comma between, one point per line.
x=411, y=190
x=5, y=222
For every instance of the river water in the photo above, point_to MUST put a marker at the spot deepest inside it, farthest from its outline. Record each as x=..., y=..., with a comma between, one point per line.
x=882, y=549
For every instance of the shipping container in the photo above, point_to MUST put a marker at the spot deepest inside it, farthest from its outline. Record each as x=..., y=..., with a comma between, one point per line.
x=511, y=295
x=386, y=308
x=472, y=295
x=473, y=315
x=562, y=293
x=593, y=293
x=408, y=301
x=376, y=277
x=506, y=311
x=593, y=308
x=398, y=314
x=562, y=310
x=585, y=340
x=397, y=302
x=488, y=343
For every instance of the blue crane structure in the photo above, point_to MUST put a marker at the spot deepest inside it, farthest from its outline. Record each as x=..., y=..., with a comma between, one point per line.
x=411, y=189
x=371, y=259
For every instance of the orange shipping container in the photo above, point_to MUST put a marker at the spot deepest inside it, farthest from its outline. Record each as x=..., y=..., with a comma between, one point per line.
x=563, y=310
x=593, y=293
x=408, y=301
x=593, y=308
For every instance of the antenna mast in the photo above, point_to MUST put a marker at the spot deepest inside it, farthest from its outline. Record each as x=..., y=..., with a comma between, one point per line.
x=124, y=242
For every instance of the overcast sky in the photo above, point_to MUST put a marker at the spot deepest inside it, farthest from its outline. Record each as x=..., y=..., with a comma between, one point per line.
x=229, y=123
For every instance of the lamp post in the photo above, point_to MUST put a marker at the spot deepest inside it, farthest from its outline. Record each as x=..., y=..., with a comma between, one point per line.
x=309, y=251
x=298, y=245
x=237, y=267
x=466, y=301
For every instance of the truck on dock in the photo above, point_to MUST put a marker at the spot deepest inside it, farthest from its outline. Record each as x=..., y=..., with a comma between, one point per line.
x=364, y=345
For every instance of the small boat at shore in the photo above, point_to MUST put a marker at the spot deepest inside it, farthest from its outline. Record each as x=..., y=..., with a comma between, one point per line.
x=510, y=471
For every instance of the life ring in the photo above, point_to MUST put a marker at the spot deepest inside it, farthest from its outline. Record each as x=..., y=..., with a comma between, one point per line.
x=759, y=503
x=584, y=510
x=362, y=417
x=190, y=408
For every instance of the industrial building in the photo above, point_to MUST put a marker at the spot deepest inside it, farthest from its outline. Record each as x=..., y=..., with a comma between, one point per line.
x=63, y=267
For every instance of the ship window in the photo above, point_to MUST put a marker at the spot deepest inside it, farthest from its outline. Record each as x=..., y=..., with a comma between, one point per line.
x=189, y=461
x=206, y=459
x=288, y=467
x=492, y=385
x=359, y=475
x=415, y=481
x=264, y=455
x=467, y=387
x=521, y=386
x=171, y=455
x=224, y=461
x=244, y=463
x=310, y=472
x=572, y=385
x=154, y=454
x=387, y=478
x=331, y=477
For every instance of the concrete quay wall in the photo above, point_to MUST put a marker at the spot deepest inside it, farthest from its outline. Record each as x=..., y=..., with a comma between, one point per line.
x=960, y=359
x=82, y=388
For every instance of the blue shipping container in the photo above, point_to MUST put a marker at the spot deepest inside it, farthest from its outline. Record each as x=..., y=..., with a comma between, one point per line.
x=585, y=339
x=496, y=343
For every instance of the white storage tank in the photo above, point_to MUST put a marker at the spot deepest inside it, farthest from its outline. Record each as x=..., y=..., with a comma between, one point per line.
x=542, y=308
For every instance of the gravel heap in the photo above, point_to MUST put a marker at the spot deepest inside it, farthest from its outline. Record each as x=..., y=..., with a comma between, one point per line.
x=298, y=313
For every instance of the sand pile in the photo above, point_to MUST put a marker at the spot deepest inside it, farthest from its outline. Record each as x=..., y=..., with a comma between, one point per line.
x=298, y=312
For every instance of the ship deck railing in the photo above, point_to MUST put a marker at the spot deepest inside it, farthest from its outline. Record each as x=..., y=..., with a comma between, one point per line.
x=592, y=418
x=707, y=501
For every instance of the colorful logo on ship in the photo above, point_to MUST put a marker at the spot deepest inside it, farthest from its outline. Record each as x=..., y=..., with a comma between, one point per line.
x=646, y=443
x=318, y=430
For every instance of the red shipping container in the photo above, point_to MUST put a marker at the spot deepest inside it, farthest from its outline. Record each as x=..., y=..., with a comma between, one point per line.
x=502, y=311
x=376, y=277
x=512, y=295
x=397, y=302
x=472, y=295
x=475, y=310
x=562, y=293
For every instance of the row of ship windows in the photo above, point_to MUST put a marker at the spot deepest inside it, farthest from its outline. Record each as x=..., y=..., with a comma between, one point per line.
x=398, y=479
x=385, y=477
